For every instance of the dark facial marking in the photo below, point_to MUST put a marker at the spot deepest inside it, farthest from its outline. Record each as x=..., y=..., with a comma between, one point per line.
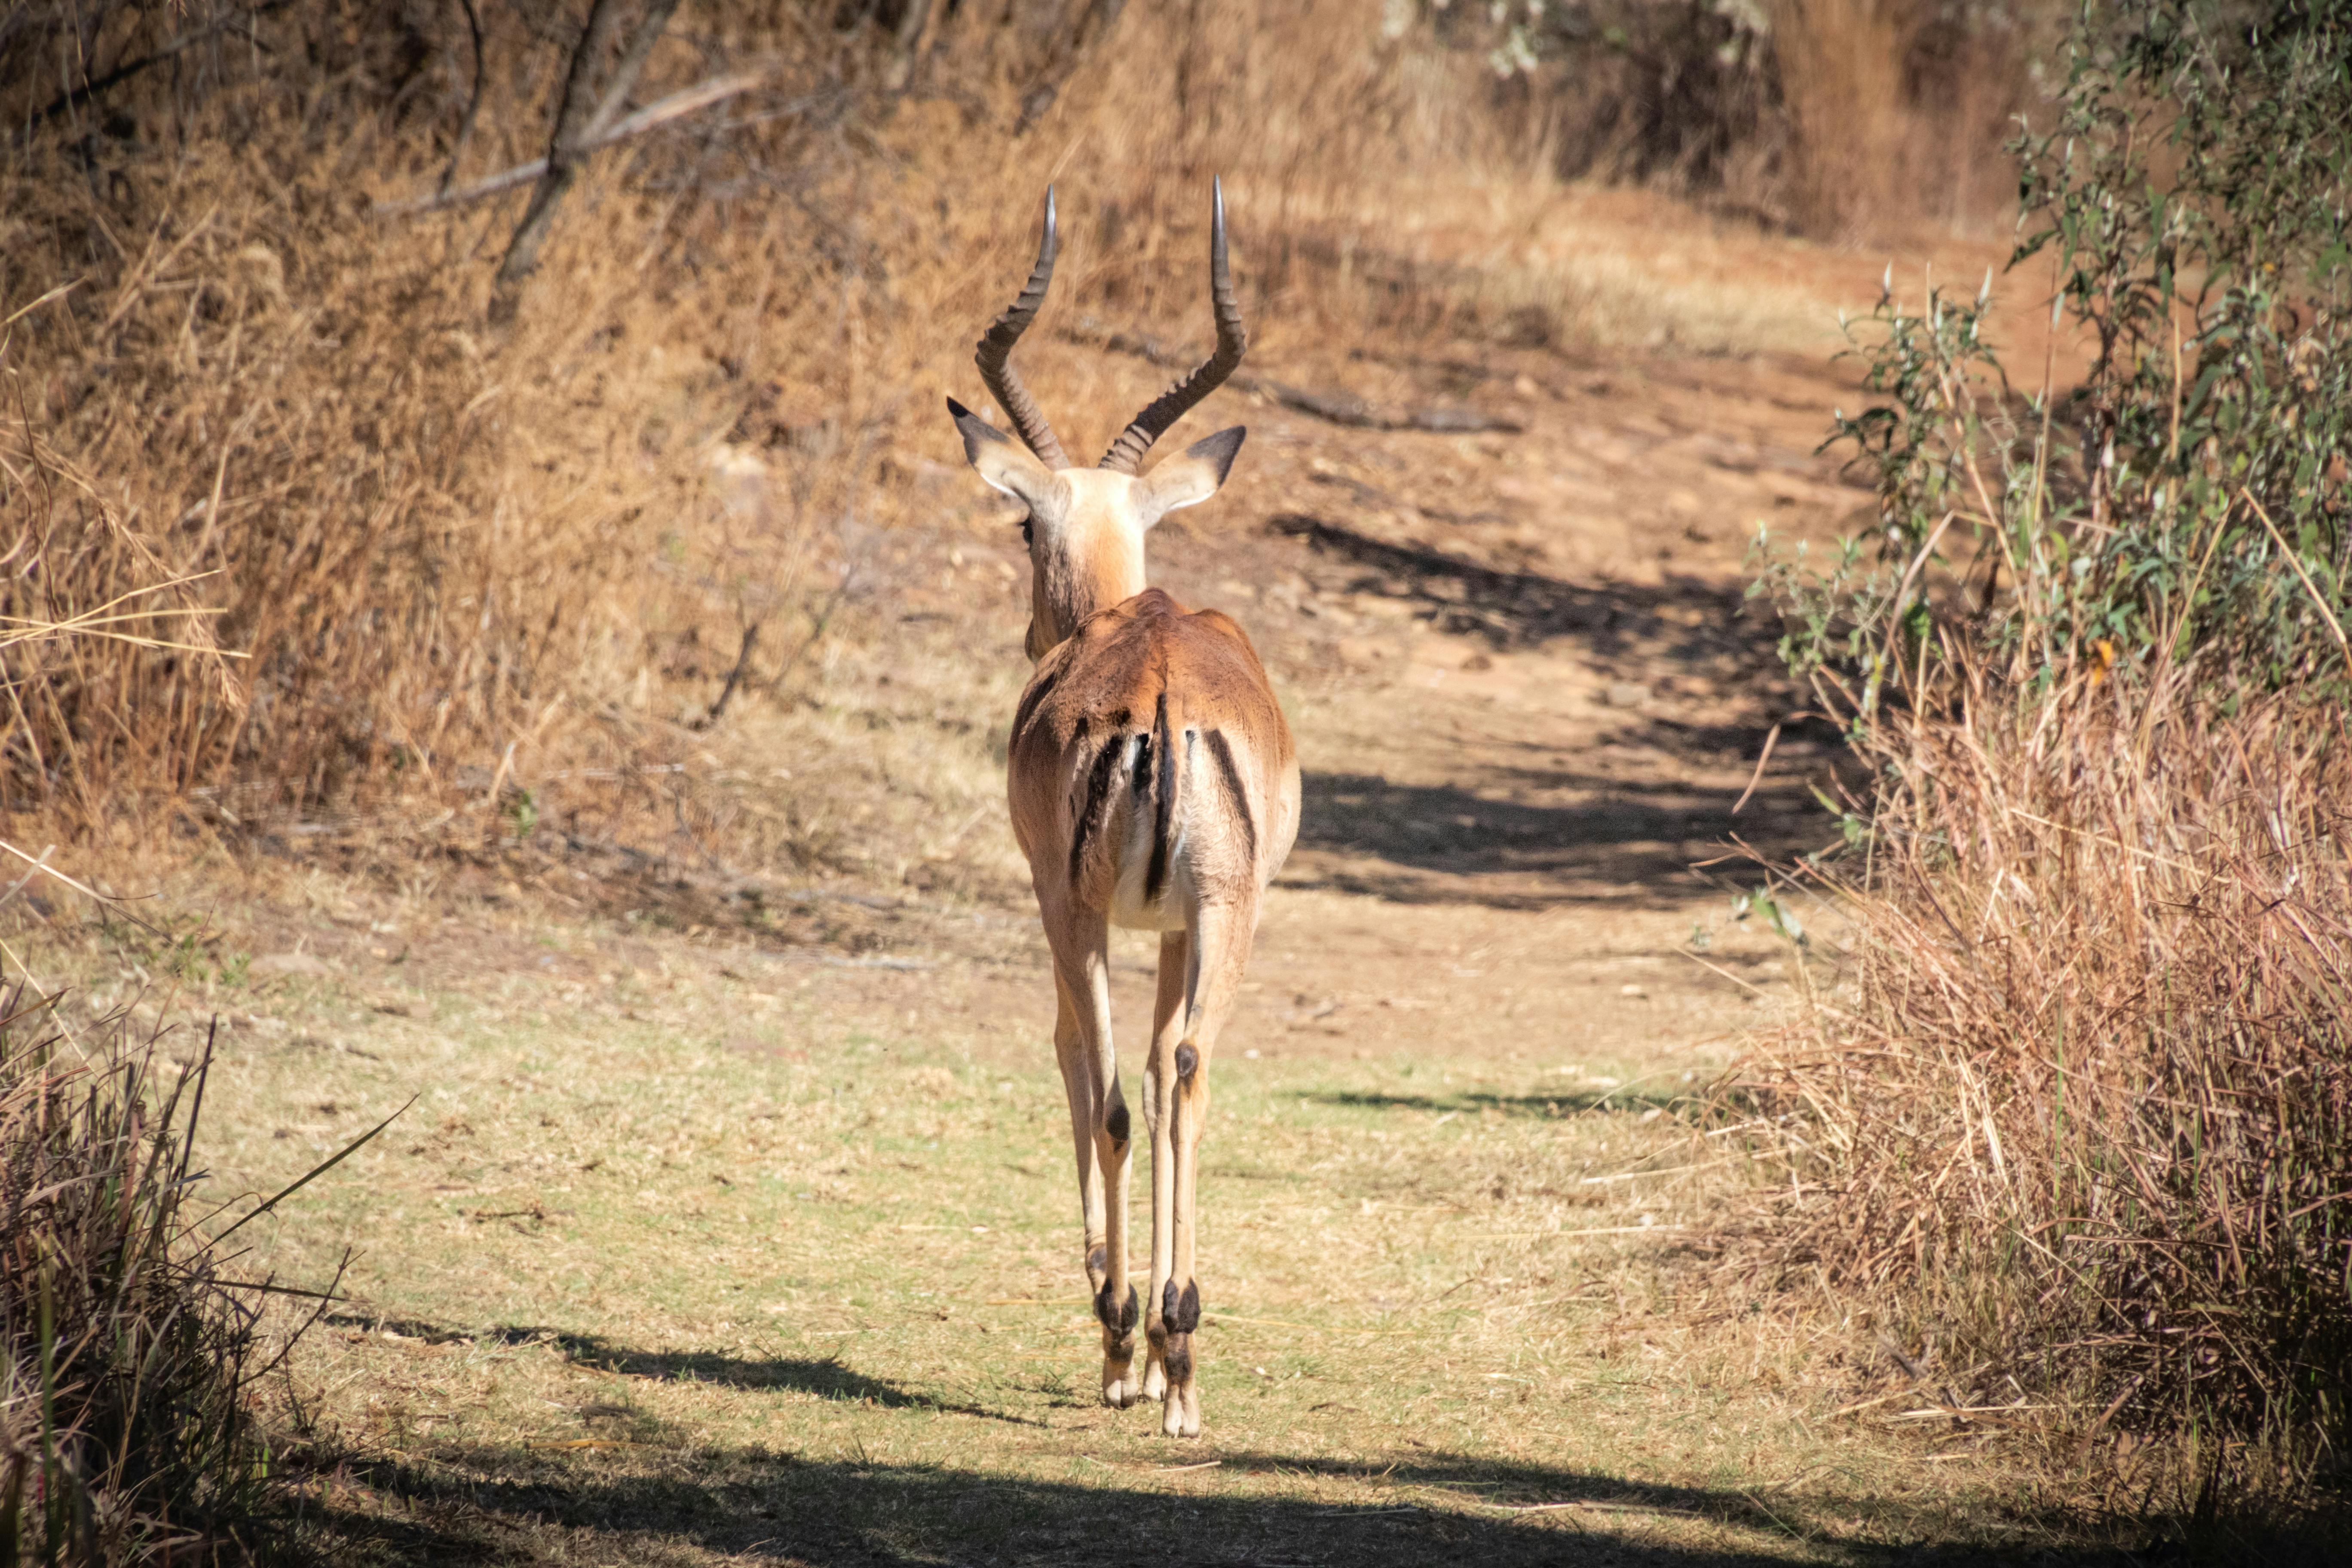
x=1223, y=751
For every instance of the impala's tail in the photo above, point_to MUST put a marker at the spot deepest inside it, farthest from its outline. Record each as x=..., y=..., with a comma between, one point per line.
x=1161, y=792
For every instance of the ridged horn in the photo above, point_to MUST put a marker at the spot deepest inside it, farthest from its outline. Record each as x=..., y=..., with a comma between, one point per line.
x=993, y=355
x=1233, y=341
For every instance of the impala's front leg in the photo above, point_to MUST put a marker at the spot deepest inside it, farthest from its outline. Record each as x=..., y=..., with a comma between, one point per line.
x=1099, y=1130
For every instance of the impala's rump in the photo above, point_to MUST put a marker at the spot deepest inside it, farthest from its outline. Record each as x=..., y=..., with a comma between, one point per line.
x=1150, y=744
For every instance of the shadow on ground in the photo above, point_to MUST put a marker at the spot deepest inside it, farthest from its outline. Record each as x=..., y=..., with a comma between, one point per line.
x=460, y=1506
x=1636, y=1096
x=826, y=1379
x=1632, y=844
x=1521, y=608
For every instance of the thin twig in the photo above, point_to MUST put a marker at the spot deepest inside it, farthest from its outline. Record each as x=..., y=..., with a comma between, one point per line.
x=2297, y=561
x=1756, y=778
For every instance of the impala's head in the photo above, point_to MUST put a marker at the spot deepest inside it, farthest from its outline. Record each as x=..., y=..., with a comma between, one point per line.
x=1085, y=526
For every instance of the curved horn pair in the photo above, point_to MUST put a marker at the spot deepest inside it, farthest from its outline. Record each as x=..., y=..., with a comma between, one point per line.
x=1029, y=421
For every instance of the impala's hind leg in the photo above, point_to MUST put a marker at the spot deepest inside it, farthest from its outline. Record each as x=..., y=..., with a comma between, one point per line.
x=1167, y=1034
x=1221, y=940
x=1099, y=1132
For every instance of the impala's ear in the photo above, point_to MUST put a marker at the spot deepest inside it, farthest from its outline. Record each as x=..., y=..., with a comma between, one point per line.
x=1191, y=476
x=1005, y=465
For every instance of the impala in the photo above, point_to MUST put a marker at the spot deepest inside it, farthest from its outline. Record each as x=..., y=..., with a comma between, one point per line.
x=1152, y=785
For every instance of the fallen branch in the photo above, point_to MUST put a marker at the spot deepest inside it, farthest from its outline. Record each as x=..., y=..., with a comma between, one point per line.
x=659, y=112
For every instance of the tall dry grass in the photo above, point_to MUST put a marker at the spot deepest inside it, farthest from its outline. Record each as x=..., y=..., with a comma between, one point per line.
x=129, y=1344
x=1839, y=67
x=2079, y=1120
x=1848, y=120
x=442, y=549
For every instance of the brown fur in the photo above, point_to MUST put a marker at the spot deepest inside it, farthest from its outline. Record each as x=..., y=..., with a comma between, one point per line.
x=1153, y=782
x=1145, y=657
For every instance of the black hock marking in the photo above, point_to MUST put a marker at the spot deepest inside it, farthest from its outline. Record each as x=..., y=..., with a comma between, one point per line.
x=1187, y=1058
x=1163, y=820
x=1222, y=752
x=1095, y=807
x=1184, y=1316
x=1096, y=1261
x=1115, y=1121
x=1179, y=1317
x=1118, y=1319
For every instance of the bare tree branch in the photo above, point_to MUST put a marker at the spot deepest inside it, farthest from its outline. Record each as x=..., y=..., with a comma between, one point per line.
x=659, y=112
x=564, y=151
x=1094, y=23
x=910, y=23
x=473, y=104
x=76, y=97
x=632, y=65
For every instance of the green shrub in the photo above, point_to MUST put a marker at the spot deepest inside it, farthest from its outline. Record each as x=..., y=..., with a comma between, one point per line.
x=2077, y=1121
x=2188, y=500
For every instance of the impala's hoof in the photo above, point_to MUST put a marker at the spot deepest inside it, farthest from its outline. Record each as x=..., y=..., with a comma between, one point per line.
x=1120, y=1386
x=1180, y=1413
x=1179, y=1316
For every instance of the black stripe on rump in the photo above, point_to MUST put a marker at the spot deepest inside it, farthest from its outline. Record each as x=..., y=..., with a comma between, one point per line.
x=1220, y=748
x=1155, y=875
x=1096, y=805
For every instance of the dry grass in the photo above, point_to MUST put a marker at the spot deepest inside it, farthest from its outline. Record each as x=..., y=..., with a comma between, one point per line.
x=458, y=555
x=130, y=1350
x=691, y=1252
x=2075, y=1125
x=1896, y=112
x=433, y=537
x=1840, y=69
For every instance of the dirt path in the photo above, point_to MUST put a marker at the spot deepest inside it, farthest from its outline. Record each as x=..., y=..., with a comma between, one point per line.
x=719, y=1247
